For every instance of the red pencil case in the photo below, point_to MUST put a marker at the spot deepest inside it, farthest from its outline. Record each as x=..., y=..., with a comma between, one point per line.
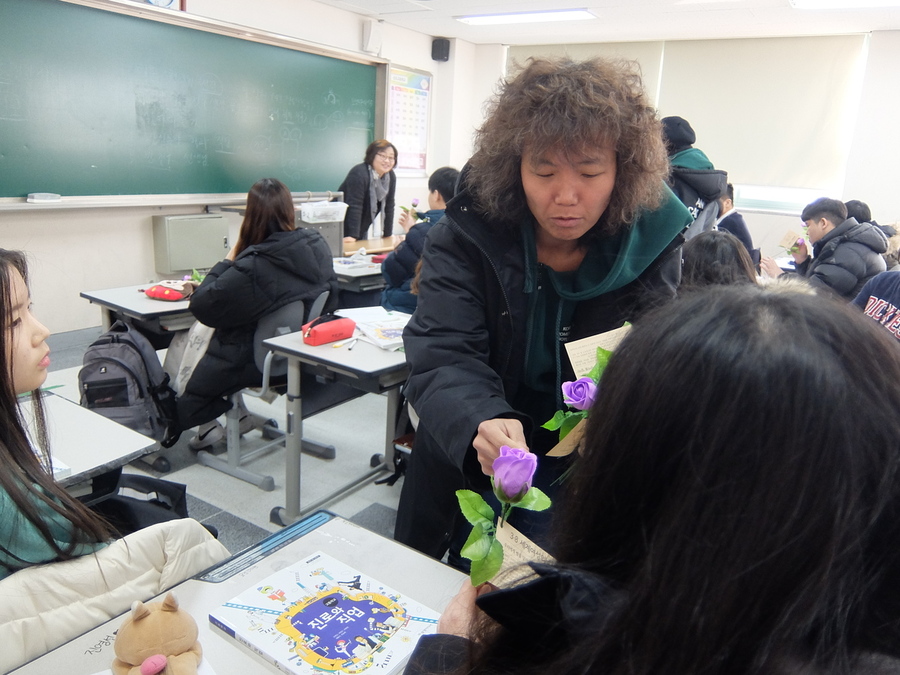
x=327, y=328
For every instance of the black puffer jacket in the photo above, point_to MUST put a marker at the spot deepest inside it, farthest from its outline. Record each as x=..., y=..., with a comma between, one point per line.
x=846, y=258
x=286, y=267
x=466, y=348
x=561, y=608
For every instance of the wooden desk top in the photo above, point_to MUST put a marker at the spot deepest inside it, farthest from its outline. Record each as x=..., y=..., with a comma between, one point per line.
x=382, y=245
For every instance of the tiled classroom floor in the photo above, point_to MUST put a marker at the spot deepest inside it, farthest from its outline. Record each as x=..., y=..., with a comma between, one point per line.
x=240, y=510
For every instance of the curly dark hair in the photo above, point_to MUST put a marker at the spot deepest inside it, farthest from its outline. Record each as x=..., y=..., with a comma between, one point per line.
x=574, y=106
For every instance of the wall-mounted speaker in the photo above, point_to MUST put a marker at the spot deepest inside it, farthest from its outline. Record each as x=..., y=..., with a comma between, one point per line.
x=440, y=49
x=371, y=38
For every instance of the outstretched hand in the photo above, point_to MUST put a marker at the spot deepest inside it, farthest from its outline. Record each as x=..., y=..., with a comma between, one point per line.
x=494, y=433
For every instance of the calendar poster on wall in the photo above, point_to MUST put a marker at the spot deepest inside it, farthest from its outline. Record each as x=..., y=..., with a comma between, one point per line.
x=408, y=110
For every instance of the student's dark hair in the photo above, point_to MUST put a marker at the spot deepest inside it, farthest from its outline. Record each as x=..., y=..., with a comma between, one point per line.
x=737, y=491
x=379, y=146
x=729, y=191
x=444, y=181
x=715, y=257
x=270, y=209
x=831, y=209
x=574, y=106
x=859, y=210
x=23, y=476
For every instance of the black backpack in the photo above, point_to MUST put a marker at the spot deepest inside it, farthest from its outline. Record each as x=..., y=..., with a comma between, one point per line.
x=122, y=379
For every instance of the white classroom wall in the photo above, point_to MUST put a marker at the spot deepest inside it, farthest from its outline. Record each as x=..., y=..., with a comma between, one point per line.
x=85, y=249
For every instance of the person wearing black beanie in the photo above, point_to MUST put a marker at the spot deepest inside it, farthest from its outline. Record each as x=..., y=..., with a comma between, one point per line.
x=693, y=179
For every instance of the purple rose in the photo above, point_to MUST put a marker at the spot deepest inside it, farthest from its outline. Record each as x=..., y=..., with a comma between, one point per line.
x=513, y=471
x=580, y=394
x=415, y=203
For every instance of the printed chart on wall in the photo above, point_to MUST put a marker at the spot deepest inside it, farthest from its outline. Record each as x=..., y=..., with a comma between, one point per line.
x=409, y=104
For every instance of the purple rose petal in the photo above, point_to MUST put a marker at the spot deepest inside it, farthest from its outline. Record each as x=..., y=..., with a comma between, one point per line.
x=513, y=472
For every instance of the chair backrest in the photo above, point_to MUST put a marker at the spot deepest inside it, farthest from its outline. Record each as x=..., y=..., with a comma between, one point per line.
x=287, y=319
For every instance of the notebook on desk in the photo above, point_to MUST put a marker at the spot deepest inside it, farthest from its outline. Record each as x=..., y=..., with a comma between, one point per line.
x=379, y=326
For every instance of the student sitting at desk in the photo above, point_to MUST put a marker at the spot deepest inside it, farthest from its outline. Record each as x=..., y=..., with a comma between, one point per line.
x=734, y=510
x=92, y=578
x=272, y=264
x=399, y=268
x=40, y=522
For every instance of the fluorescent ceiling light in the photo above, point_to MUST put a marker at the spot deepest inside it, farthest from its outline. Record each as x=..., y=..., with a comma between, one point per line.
x=843, y=4
x=527, y=17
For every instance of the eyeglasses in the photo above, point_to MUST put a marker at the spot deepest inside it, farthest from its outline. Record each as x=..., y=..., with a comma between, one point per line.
x=389, y=158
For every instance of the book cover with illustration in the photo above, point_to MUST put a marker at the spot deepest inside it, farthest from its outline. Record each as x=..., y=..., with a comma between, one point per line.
x=387, y=333
x=320, y=615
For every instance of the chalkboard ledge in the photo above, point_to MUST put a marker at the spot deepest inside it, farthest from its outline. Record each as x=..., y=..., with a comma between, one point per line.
x=123, y=201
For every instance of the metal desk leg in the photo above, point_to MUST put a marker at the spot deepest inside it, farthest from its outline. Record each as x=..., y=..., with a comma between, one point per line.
x=393, y=409
x=293, y=443
x=106, y=318
x=293, y=446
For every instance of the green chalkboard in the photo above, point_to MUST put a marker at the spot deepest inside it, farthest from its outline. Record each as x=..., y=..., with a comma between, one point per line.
x=98, y=103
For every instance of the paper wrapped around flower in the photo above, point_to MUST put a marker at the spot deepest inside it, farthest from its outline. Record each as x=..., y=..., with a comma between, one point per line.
x=513, y=473
x=579, y=396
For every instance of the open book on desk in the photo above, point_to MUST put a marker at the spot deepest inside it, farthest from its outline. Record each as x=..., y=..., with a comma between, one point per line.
x=320, y=615
x=378, y=325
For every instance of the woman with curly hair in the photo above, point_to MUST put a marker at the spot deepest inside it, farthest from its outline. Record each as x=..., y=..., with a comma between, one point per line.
x=562, y=228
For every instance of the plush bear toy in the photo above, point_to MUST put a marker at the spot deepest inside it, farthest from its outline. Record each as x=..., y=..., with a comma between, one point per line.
x=157, y=638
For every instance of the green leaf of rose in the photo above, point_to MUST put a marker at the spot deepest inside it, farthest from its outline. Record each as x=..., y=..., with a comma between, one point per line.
x=478, y=545
x=475, y=509
x=602, y=359
x=534, y=500
x=572, y=419
x=556, y=421
x=487, y=568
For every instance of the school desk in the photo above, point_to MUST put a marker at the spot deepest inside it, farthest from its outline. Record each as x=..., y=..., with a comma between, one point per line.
x=358, y=276
x=380, y=245
x=403, y=569
x=157, y=316
x=365, y=367
x=87, y=442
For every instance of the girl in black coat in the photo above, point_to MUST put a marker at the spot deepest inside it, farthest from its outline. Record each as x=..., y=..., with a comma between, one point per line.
x=272, y=265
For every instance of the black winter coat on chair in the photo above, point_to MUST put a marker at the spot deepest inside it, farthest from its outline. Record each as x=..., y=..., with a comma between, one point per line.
x=286, y=267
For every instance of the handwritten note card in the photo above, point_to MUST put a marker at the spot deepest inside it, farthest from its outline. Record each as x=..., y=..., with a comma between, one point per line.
x=789, y=240
x=518, y=549
x=583, y=353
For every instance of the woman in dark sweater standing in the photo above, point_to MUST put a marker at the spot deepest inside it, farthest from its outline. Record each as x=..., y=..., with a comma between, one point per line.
x=369, y=190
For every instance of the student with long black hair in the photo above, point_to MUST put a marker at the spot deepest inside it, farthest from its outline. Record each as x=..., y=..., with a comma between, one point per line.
x=734, y=509
x=93, y=577
x=39, y=521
